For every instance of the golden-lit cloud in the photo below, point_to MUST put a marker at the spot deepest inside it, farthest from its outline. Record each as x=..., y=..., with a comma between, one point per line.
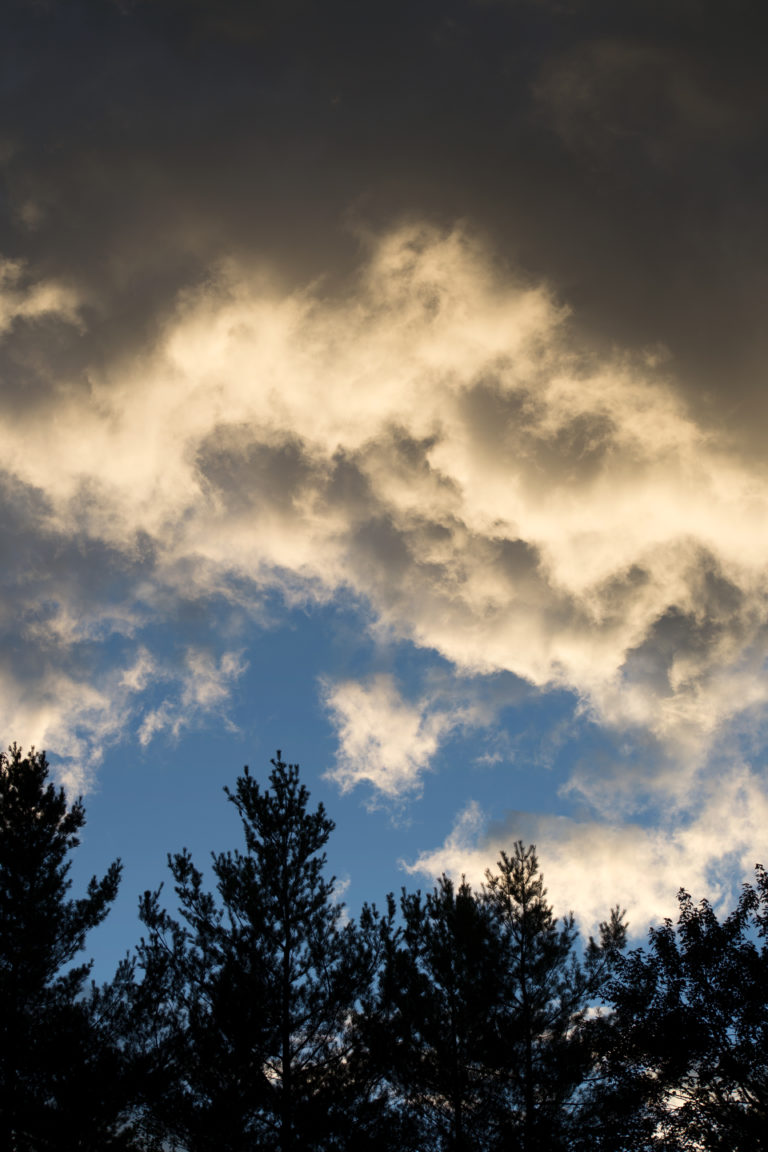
x=436, y=437
x=386, y=741
x=592, y=865
x=66, y=711
x=56, y=705
x=24, y=299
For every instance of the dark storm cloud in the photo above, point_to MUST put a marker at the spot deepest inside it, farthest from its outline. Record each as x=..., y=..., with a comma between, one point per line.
x=614, y=149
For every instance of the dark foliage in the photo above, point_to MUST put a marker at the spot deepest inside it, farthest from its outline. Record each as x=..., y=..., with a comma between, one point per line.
x=543, y=1051
x=256, y=988
x=259, y=1016
x=482, y=1013
x=687, y=1058
x=61, y=1074
x=430, y=1028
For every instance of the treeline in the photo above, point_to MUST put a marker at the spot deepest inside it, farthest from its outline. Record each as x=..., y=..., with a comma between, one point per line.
x=260, y=1016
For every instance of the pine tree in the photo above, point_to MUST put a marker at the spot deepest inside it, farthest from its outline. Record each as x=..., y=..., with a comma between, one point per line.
x=257, y=984
x=430, y=1029
x=543, y=1052
x=54, y=1053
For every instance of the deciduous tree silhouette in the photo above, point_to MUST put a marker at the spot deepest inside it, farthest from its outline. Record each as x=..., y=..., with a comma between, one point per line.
x=687, y=1063
x=60, y=1075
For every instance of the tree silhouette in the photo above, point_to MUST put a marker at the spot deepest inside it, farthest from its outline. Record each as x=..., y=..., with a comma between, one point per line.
x=439, y=989
x=60, y=1075
x=257, y=985
x=264, y=1018
x=543, y=1054
x=480, y=1027
x=687, y=1063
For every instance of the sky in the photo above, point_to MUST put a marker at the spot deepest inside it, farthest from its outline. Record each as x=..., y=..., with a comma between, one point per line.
x=385, y=383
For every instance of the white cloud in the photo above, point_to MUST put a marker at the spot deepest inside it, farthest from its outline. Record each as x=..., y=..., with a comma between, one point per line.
x=77, y=719
x=51, y=699
x=68, y=714
x=436, y=440
x=384, y=740
x=204, y=690
x=591, y=865
x=389, y=741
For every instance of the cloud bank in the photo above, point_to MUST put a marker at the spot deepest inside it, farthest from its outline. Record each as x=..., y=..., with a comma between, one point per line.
x=433, y=437
x=249, y=367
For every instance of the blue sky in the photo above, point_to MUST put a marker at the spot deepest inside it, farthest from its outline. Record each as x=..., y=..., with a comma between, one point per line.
x=385, y=384
x=519, y=762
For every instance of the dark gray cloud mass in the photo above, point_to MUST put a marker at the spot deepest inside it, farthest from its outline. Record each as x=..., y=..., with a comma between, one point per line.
x=616, y=150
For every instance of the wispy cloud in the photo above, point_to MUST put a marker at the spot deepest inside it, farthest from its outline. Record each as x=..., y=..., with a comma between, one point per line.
x=25, y=298
x=202, y=692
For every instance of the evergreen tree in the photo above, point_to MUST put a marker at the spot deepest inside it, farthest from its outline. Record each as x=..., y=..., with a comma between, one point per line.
x=543, y=1052
x=257, y=985
x=430, y=1029
x=60, y=1073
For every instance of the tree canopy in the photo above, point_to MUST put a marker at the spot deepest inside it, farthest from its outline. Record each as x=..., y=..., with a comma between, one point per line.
x=262, y=977
x=686, y=1065
x=257, y=1014
x=56, y=1050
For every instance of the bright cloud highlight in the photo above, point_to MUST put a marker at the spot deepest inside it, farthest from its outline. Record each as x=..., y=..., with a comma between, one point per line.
x=435, y=440
x=383, y=740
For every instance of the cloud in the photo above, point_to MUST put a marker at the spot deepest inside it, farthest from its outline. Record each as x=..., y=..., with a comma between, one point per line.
x=22, y=300
x=591, y=865
x=203, y=692
x=79, y=662
x=435, y=436
x=59, y=705
x=385, y=741
x=607, y=92
x=67, y=712
x=619, y=158
x=536, y=451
